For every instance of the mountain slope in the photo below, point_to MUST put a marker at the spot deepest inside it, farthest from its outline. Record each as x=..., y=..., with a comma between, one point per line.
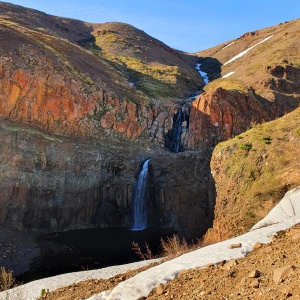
x=68, y=77
x=261, y=73
x=147, y=63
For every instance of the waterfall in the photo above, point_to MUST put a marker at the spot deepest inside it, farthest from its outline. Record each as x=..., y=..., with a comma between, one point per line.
x=175, y=139
x=139, y=203
x=177, y=132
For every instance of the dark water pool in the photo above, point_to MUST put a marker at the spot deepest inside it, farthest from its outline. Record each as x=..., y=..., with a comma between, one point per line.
x=87, y=249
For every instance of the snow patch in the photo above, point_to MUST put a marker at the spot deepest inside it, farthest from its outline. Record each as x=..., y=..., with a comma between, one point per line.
x=228, y=74
x=202, y=74
x=288, y=207
x=143, y=283
x=245, y=51
x=32, y=290
x=227, y=46
x=131, y=83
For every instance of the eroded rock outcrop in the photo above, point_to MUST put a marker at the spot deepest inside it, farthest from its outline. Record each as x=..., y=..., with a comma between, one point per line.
x=59, y=103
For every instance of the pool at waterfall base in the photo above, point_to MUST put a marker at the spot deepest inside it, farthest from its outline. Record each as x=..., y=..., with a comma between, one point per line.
x=88, y=249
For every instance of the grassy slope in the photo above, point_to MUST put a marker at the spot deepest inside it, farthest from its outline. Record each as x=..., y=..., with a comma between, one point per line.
x=252, y=172
x=154, y=68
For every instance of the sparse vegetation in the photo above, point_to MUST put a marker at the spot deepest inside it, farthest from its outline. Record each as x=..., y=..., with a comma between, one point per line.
x=7, y=281
x=267, y=140
x=144, y=252
x=246, y=146
x=171, y=247
x=174, y=246
x=98, y=114
x=153, y=79
x=249, y=213
x=256, y=180
x=227, y=84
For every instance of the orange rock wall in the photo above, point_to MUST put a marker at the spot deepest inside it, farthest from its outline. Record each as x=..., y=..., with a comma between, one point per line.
x=221, y=114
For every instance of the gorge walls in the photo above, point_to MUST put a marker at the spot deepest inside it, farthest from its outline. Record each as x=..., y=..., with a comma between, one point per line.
x=49, y=184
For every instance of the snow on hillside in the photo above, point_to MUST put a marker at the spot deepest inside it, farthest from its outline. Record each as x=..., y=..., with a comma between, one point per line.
x=228, y=74
x=227, y=45
x=288, y=207
x=245, y=51
x=32, y=290
x=202, y=74
x=287, y=213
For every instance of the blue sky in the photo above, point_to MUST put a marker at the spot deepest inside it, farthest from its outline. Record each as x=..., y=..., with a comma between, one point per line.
x=188, y=25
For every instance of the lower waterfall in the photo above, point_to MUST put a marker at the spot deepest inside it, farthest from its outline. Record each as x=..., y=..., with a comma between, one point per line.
x=139, y=201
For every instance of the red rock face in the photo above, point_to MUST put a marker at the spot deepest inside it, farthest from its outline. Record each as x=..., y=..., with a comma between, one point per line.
x=57, y=103
x=220, y=114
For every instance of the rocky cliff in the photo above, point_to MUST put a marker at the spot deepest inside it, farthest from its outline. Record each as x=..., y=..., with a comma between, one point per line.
x=252, y=172
x=53, y=184
x=79, y=114
x=54, y=76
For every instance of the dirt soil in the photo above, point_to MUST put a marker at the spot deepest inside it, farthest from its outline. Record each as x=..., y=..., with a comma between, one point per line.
x=219, y=282
x=85, y=289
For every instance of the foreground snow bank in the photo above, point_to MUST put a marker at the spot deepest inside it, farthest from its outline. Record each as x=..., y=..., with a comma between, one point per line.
x=288, y=214
x=288, y=207
x=32, y=290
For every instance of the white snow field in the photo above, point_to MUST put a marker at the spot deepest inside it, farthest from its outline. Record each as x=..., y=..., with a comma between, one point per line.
x=245, y=51
x=32, y=290
x=287, y=208
x=227, y=45
x=228, y=74
x=285, y=215
x=202, y=74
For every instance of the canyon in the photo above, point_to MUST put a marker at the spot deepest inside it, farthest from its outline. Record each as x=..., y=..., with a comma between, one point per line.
x=49, y=184
x=82, y=106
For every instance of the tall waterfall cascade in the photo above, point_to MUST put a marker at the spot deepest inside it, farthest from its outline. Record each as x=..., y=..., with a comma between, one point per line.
x=140, y=212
